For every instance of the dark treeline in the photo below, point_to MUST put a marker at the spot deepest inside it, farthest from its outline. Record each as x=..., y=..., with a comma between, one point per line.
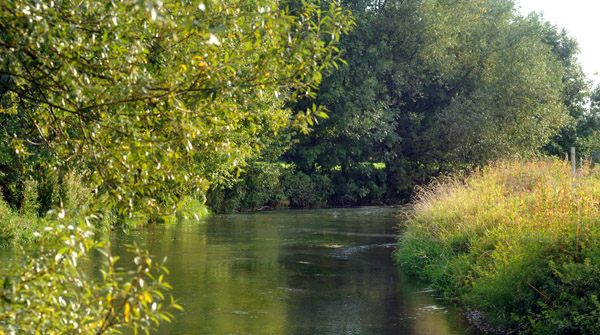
x=429, y=86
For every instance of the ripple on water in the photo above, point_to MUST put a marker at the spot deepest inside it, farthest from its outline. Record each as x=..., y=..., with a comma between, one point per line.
x=346, y=252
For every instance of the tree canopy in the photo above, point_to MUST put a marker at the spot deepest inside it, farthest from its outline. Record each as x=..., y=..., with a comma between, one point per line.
x=434, y=85
x=148, y=97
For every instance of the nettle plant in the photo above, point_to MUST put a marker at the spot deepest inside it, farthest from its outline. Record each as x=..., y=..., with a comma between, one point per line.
x=149, y=101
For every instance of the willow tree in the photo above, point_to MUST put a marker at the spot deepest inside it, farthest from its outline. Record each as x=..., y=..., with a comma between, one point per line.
x=432, y=85
x=148, y=101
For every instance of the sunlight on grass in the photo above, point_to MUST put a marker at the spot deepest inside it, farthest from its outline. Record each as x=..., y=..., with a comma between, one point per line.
x=513, y=240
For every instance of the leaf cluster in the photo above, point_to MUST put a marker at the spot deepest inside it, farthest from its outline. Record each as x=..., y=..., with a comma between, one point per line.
x=70, y=281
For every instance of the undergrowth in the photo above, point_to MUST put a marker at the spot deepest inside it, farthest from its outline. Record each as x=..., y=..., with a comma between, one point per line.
x=71, y=195
x=515, y=241
x=18, y=225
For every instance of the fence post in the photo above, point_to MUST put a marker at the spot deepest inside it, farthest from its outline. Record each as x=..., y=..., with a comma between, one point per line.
x=573, y=167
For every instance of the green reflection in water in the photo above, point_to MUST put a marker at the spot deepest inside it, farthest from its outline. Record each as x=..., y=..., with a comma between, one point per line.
x=293, y=272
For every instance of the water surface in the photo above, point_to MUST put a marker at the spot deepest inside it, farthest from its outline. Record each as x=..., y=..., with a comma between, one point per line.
x=306, y=272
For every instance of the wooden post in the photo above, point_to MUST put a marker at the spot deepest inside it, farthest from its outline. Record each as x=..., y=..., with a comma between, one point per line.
x=573, y=167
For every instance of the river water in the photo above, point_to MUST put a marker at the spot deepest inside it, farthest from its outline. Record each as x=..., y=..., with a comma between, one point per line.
x=305, y=272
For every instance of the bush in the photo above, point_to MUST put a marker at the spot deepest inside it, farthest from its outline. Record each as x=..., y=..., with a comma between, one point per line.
x=70, y=194
x=270, y=186
x=15, y=228
x=258, y=187
x=304, y=191
x=514, y=241
x=363, y=184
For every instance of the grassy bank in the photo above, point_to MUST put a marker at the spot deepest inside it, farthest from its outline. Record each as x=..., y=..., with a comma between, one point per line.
x=514, y=241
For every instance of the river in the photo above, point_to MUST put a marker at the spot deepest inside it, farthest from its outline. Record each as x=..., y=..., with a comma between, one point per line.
x=301, y=272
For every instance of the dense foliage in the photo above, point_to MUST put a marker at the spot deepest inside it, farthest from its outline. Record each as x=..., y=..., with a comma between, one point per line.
x=583, y=131
x=147, y=102
x=515, y=241
x=435, y=85
x=151, y=97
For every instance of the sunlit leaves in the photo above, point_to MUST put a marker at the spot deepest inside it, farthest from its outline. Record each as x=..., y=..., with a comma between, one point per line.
x=155, y=99
x=70, y=281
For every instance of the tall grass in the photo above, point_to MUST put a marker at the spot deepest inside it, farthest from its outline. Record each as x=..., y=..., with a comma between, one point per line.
x=18, y=225
x=71, y=195
x=515, y=241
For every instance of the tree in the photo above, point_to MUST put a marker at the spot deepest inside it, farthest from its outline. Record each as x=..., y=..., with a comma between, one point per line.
x=185, y=97
x=583, y=133
x=576, y=96
x=148, y=101
x=431, y=86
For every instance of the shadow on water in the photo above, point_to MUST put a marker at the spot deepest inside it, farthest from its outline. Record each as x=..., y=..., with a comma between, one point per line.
x=294, y=272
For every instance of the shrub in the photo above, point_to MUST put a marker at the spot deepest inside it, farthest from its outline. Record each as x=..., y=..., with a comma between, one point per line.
x=258, y=187
x=69, y=193
x=271, y=185
x=303, y=190
x=363, y=184
x=15, y=228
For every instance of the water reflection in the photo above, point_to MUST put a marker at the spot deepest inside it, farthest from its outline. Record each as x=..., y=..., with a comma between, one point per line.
x=293, y=272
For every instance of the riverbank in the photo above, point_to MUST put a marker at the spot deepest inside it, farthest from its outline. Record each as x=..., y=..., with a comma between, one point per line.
x=515, y=241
